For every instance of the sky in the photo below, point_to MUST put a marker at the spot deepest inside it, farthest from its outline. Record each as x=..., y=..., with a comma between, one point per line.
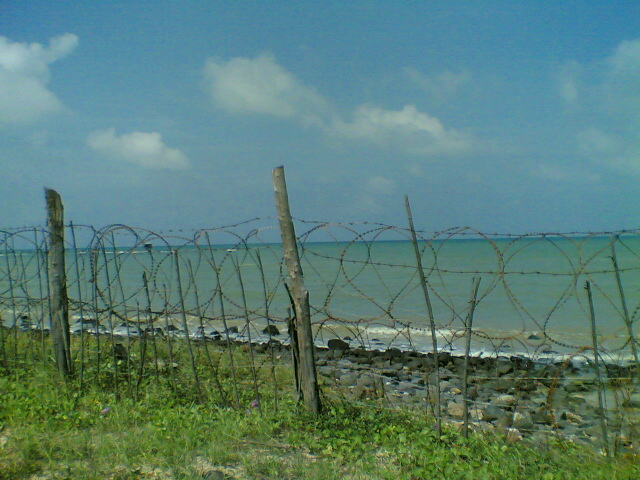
x=504, y=116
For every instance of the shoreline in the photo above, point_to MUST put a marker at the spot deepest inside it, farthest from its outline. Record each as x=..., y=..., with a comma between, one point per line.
x=520, y=397
x=517, y=397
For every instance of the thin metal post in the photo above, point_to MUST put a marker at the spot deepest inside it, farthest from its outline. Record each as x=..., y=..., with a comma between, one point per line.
x=596, y=366
x=468, y=329
x=432, y=323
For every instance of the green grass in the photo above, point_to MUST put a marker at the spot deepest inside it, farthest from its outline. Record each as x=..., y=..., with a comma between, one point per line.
x=50, y=429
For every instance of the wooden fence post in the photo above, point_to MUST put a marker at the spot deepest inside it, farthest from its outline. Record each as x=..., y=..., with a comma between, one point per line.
x=58, y=298
x=307, y=379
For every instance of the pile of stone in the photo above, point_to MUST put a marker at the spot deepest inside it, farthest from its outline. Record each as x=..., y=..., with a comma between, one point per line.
x=509, y=395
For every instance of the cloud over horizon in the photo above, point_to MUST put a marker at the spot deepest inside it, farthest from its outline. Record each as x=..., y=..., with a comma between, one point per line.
x=409, y=129
x=440, y=85
x=605, y=92
x=24, y=75
x=261, y=86
x=142, y=149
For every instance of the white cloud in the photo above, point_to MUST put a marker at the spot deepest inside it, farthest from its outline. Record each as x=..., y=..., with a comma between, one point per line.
x=440, y=85
x=373, y=195
x=611, y=150
x=143, y=149
x=381, y=185
x=259, y=85
x=620, y=90
x=626, y=59
x=408, y=129
x=609, y=84
x=567, y=80
x=559, y=173
x=606, y=92
x=594, y=141
x=24, y=75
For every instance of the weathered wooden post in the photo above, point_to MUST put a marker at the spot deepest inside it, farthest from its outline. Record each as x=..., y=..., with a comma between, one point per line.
x=307, y=377
x=58, y=298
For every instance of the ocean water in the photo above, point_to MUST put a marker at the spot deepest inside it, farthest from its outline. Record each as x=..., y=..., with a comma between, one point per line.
x=531, y=298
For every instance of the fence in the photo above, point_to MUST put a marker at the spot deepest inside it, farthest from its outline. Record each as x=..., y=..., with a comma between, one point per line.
x=538, y=330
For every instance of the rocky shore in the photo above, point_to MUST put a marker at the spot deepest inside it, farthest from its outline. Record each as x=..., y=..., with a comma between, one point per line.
x=509, y=395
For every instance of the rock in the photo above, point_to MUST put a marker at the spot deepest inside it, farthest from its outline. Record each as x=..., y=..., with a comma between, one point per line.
x=505, y=400
x=580, y=385
x=445, y=374
x=443, y=358
x=503, y=385
x=362, y=360
x=479, y=362
x=503, y=423
x=271, y=330
x=448, y=387
x=569, y=416
x=458, y=363
x=346, y=363
x=455, y=409
x=594, y=430
x=407, y=387
x=513, y=435
x=366, y=381
x=522, y=363
x=415, y=364
x=504, y=366
x=392, y=353
x=526, y=385
x=215, y=475
x=522, y=421
x=327, y=371
x=349, y=378
x=472, y=392
x=362, y=355
x=542, y=416
x=388, y=372
x=493, y=412
x=337, y=344
x=120, y=352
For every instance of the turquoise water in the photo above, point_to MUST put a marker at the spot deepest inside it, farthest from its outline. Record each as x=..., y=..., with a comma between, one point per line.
x=531, y=297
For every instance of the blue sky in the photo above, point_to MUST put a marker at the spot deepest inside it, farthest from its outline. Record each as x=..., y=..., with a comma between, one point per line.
x=505, y=116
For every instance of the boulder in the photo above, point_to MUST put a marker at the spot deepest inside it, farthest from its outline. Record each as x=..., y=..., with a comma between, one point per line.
x=337, y=344
x=271, y=330
x=455, y=409
x=505, y=400
x=504, y=366
x=493, y=412
x=522, y=421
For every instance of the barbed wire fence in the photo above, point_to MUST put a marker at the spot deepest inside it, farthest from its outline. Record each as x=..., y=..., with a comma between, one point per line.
x=545, y=342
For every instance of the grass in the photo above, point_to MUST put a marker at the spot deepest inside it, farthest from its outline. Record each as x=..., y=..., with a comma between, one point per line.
x=50, y=429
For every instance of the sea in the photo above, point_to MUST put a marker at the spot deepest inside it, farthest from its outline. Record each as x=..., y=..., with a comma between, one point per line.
x=540, y=296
